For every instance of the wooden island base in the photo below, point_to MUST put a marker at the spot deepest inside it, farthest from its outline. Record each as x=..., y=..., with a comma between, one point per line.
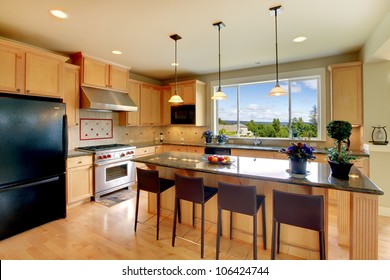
x=357, y=217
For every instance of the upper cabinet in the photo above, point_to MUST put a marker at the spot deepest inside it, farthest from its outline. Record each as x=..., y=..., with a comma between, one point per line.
x=346, y=92
x=72, y=93
x=193, y=92
x=98, y=73
x=132, y=118
x=150, y=105
x=26, y=70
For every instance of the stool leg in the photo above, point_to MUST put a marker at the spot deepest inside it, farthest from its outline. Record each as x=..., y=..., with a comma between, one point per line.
x=202, y=234
x=255, y=237
x=231, y=224
x=193, y=214
x=158, y=216
x=273, y=241
x=264, y=227
x=219, y=232
x=174, y=221
x=322, y=246
x=278, y=238
x=136, y=210
x=179, y=212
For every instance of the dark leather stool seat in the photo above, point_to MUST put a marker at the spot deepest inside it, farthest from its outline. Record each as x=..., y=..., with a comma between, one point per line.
x=244, y=200
x=149, y=180
x=191, y=189
x=301, y=210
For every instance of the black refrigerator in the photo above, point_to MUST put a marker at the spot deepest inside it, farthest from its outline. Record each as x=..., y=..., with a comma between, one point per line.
x=33, y=151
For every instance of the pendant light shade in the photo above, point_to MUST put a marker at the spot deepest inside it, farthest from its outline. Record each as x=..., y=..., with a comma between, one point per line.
x=175, y=98
x=277, y=90
x=219, y=95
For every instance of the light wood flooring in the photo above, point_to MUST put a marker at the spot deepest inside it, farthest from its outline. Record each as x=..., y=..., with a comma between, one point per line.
x=92, y=231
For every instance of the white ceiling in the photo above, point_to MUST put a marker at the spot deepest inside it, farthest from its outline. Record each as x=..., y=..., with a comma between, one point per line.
x=141, y=30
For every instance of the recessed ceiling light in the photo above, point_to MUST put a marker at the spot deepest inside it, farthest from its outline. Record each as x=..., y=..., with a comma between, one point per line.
x=58, y=13
x=116, y=52
x=299, y=39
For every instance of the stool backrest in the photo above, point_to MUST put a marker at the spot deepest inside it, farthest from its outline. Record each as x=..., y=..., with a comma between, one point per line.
x=148, y=180
x=302, y=210
x=189, y=188
x=237, y=198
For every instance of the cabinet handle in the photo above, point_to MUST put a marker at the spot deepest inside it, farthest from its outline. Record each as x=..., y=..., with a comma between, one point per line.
x=28, y=91
x=18, y=89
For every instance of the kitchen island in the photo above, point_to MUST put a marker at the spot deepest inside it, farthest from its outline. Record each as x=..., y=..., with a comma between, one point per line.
x=357, y=216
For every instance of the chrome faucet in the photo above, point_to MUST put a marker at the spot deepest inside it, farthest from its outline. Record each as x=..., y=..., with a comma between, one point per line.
x=257, y=141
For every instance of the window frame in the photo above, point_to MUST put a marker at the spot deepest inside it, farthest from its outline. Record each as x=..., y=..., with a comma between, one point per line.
x=292, y=75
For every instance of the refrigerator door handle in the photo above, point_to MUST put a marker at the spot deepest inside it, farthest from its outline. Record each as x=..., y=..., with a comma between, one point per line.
x=65, y=136
x=31, y=184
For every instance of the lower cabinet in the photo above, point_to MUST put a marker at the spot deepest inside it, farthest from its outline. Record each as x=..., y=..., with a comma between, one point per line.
x=79, y=180
x=183, y=148
x=145, y=151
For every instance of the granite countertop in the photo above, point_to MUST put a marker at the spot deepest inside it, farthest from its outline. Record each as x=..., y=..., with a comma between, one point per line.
x=238, y=146
x=76, y=153
x=265, y=169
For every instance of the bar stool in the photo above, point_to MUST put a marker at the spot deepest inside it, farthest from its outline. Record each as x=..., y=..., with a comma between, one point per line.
x=301, y=210
x=191, y=189
x=149, y=180
x=244, y=200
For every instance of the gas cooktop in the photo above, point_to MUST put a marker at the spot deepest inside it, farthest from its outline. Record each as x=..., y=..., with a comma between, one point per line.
x=104, y=147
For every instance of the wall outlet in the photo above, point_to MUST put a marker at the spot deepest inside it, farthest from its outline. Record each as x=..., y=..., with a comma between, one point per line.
x=131, y=141
x=313, y=144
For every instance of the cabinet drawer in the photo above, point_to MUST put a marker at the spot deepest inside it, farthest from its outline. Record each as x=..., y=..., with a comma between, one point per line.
x=139, y=152
x=79, y=161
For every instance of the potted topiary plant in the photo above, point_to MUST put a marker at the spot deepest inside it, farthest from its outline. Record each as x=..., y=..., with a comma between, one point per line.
x=339, y=157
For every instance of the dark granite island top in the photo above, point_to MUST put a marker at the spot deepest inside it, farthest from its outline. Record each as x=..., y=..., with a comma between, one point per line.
x=265, y=169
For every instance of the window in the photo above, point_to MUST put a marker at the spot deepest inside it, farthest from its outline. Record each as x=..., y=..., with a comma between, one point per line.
x=249, y=111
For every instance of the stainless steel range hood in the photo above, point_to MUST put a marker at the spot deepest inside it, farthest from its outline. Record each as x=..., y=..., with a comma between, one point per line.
x=106, y=100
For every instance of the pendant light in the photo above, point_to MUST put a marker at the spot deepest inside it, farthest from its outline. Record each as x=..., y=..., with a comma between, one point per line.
x=175, y=98
x=277, y=90
x=219, y=95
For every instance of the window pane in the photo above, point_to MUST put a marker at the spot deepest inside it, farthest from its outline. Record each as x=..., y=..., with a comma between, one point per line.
x=264, y=115
x=304, y=108
x=227, y=112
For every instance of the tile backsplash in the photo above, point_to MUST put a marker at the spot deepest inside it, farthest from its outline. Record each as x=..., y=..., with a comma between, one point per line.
x=126, y=134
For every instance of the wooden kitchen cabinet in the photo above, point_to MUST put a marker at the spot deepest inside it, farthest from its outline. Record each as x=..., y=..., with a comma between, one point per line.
x=132, y=118
x=150, y=111
x=72, y=93
x=101, y=74
x=26, y=70
x=79, y=180
x=193, y=92
x=346, y=92
x=12, y=62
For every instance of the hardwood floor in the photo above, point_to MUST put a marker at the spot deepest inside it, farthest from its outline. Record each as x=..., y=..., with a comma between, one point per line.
x=92, y=231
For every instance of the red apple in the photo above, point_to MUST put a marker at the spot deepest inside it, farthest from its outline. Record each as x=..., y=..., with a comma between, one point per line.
x=210, y=158
x=220, y=158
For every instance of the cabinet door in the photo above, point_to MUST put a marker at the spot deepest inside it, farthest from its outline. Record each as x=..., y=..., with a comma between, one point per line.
x=44, y=75
x=132, y=118
x=150, y=105
x=11, y=70
x=347, y=92
x=195, y=149
x=79, y=182
x=118, y=78
x=166, y=106
x=72, y=94
x=95, y=73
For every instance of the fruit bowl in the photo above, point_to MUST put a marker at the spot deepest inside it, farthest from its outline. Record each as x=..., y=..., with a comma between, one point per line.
x=216, y=159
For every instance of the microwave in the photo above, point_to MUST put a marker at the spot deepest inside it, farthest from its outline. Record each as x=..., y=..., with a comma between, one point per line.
x=183, y=114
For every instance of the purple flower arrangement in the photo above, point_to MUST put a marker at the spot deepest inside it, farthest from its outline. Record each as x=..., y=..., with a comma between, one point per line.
x=299, y=151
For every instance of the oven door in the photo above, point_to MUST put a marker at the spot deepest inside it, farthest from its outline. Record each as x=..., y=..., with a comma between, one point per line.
x=112, y=176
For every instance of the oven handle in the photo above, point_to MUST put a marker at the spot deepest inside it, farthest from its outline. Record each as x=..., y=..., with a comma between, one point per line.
x=112, y=161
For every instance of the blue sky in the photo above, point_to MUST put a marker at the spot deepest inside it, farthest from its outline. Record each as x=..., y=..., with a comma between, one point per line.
x=256, y=105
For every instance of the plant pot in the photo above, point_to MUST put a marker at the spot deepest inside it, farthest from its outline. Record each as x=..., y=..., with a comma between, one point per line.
x=209, y=140
x=221, y=142
x=340, y=170
x=298, y=166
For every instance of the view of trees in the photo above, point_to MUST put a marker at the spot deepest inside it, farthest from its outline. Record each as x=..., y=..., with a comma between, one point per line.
x=275, y=129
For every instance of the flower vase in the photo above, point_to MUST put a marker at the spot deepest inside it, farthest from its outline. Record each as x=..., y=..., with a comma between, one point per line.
x=298, y=166
x=221, y=142
x=209, y=140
